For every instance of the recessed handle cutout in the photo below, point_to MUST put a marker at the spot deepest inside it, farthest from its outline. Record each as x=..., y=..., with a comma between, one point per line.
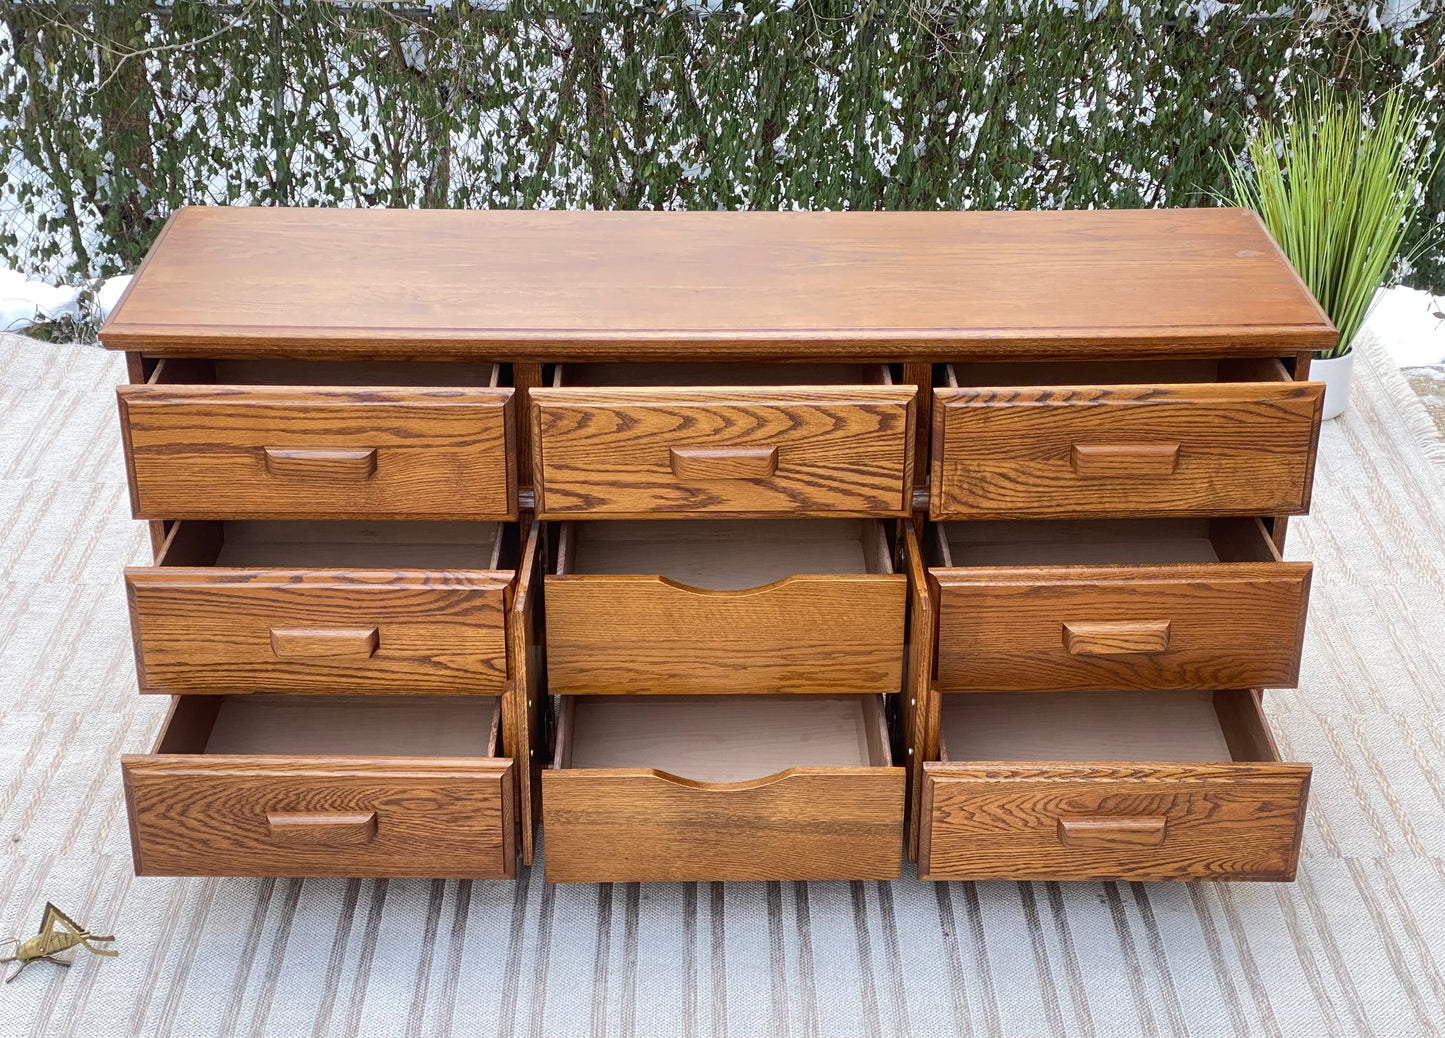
x=322, y=830
x=723, y=462
x=1116, y=639
x=1103, y=833
x=315, y=463
x=1124, y=459
x=330, y=643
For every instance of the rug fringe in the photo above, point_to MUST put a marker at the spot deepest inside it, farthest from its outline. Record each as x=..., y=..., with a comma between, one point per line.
x=1408, y=405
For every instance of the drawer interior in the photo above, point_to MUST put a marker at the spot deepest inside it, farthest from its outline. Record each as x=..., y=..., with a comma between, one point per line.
x=1150, y=726
x=722, y=738
x=334, y=726
x=967, y=374
x=724, y=555
x=1101, y=542
x=672, y=375
x=340, y=544
x=281, y=372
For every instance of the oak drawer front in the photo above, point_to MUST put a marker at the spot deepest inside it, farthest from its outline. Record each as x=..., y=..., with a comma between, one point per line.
x=827, y=633
x=217, y=452
x=1109, y=821
x=635, y=825
x=723, y=452
x=275, y=816
x=1094, y=627
x=281, y=785
x=215, y=630
x=1244, y=448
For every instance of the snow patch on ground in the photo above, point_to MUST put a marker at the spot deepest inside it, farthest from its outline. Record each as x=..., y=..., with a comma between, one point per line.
x=24, y=302
x=109, y=294
x=1411, y=325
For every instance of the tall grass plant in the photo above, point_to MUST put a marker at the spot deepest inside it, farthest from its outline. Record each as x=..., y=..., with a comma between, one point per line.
x=1338, y=190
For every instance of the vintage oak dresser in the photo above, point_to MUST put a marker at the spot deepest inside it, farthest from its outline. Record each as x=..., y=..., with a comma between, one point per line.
x=723, y=545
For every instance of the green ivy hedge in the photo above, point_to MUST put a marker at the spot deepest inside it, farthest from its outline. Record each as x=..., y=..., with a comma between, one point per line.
x=113, y=114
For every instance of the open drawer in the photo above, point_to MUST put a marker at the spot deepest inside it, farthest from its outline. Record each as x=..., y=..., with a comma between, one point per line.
x=261, y=785
x=1121, y=603
x=693, y=788
x=341, y=606
x=680, y=440
x=784, y=606
x=1122, y=438
x=280, y=439
x=1110, y=785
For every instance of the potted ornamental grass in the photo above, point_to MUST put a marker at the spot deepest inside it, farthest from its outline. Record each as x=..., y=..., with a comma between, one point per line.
x=1338, y=187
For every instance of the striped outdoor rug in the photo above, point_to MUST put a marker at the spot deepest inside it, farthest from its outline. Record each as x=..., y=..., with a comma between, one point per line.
x=1356, y=947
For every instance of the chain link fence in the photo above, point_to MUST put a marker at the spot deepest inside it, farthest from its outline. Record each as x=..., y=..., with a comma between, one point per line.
x=113, y=114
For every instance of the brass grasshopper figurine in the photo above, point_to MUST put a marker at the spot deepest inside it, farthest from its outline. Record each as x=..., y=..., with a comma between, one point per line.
x=58, y=933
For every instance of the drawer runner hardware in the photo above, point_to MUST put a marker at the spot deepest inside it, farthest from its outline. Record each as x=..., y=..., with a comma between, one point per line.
x=322, y=830
x=1105, y=833
x=325, y=643
x=1116, y=639
x=1124, y=459
x=321, y=464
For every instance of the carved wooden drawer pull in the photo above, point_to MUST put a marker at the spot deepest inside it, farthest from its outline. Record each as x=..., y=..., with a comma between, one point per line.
x=1103, y=833
x=1116, y=639
x=297, y=462
x=1125, y=459
x=324, y=643
x=322, y=830
x=724, y=463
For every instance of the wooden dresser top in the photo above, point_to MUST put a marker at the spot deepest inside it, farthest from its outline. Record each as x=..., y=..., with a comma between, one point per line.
x=552, y=285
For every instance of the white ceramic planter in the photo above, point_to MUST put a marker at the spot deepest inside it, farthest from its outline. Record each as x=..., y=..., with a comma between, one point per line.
x=1335, y=374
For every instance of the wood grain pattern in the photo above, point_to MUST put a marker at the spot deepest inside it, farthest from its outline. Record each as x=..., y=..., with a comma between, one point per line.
x=198, y=814
x=639, y=824
x=325, y=642
x=1223, y=624
x=1130, y=820
x=214, y=630
x=1124, y=459
x=808, y=633
x=322, y=465
x=526, y=693
x=1106, y=832
x=700, y=463
x=1238, y=448
x=1223, y=821
x=1116, y=638
x=322, y=829
x=210, y=452
x=569, y=285
x=844, y=450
